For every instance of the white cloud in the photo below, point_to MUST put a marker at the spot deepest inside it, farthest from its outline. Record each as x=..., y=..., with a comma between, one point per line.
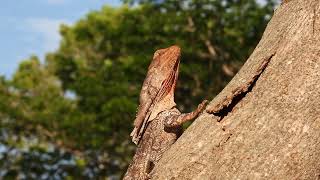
x=262, y=2
x=48, y=30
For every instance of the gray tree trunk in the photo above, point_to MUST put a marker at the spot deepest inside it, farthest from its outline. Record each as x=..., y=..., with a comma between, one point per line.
x=269, y=112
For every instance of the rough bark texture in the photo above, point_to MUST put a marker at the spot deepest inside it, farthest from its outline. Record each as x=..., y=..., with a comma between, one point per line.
x=270, y=120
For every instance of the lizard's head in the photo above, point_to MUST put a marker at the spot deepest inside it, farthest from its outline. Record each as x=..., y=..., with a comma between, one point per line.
x=166, y=63
x=166, y=59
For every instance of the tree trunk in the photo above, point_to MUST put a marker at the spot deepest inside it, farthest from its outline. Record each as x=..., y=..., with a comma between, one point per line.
x=267, y=119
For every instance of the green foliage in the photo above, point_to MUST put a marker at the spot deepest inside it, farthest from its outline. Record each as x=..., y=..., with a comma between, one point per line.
x=83, y=99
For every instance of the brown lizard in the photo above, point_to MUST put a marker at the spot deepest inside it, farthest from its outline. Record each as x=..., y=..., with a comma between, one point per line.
x=158, y=122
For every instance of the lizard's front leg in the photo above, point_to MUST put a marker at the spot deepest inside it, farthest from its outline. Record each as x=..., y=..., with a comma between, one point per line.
x=178, y=120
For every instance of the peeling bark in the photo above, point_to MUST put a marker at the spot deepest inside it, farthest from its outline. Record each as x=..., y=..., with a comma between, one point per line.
x=271, y=110
x=239, y=92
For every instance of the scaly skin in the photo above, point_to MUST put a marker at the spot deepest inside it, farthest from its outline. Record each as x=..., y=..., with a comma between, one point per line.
x=158, y=122
x=155, y=141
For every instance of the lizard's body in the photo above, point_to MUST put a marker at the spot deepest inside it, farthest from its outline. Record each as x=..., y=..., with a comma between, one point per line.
x=158, y=122
x=155, y=141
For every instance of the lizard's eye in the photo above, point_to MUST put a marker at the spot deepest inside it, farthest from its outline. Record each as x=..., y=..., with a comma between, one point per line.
x=158, y=53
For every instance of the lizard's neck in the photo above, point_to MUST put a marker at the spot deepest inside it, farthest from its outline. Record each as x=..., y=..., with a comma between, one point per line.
x=165, y=104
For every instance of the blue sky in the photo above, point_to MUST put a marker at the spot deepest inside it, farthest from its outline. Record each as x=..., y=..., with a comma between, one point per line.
x=32, y=27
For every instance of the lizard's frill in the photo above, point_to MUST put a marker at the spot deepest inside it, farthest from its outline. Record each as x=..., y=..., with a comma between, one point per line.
x=134, y=137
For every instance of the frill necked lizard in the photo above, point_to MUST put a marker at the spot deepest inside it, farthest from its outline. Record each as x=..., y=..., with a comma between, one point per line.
x=158, y=123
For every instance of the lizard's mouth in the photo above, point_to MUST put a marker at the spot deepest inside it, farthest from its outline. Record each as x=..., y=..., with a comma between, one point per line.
x=170, y=82
x=175, y=69
x=175, y=73
x=176, y=65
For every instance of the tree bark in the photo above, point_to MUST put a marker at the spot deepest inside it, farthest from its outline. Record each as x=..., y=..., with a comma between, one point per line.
x=267, y=120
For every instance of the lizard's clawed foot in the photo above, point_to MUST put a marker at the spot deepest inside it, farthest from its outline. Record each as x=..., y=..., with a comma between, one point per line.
x=202, y=106
x=213, y=109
